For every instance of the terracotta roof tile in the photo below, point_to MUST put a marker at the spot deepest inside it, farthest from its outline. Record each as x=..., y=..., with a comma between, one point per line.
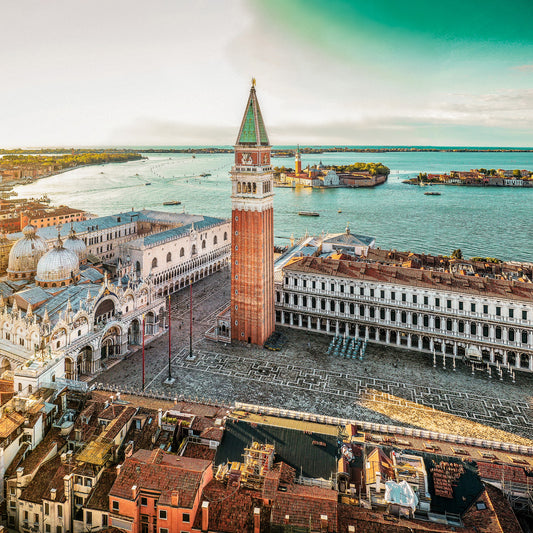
x=160, y=472
x=413, y=277
x=49, y=476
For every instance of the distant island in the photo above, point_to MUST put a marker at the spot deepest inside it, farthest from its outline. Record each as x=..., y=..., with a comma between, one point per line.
x=320, y=176
x=24, y=168
x=479, y=177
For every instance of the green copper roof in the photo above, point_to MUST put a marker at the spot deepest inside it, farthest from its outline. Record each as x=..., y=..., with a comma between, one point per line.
x=253, y=129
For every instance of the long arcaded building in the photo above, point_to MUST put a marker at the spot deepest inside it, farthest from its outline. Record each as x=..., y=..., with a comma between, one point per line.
x=412, y=308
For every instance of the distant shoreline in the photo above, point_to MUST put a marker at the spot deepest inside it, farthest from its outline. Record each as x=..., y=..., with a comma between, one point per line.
x=279, y=151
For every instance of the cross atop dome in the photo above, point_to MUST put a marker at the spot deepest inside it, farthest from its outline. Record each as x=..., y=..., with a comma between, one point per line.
x=252, y=131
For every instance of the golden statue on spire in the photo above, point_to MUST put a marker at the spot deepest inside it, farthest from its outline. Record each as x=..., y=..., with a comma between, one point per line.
x=253, y=82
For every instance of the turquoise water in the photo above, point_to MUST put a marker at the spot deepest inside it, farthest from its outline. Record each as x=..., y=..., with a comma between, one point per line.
x=481, y=221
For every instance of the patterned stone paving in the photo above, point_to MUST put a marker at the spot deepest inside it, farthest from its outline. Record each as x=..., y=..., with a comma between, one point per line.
x=342, y=384
x=303, y=377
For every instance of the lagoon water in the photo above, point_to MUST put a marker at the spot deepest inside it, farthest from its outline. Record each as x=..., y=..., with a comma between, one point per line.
x=496, y=222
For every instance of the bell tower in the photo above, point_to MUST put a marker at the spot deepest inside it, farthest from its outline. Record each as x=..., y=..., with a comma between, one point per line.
x=252, y=227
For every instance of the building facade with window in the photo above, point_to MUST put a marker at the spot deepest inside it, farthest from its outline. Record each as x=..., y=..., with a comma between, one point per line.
x=173, y=258
x=158, y=492
x=423, y=310
x=91, y=323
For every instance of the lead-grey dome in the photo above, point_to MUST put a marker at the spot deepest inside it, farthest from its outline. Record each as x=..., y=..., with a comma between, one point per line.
x=25, y=254
x=76, y=245
x=58, y=267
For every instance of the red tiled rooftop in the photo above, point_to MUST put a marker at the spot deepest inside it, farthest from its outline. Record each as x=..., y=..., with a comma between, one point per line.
x=99, y=498
x=413, y=277
x=52, y=441
x=49, y=476
x=212, y=434
x=160, y=472
x=231, y=508
x=199, y=451
x=305, y=505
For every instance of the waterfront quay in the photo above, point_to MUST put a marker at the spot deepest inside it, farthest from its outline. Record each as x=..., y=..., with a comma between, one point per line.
x=389, y=385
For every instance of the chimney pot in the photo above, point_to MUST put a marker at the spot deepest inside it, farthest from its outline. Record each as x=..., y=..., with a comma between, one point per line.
x=205, y=516
x=175, y=497
x=257, y=520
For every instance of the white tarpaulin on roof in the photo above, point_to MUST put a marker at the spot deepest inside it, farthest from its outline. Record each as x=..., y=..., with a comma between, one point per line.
x=400, y=494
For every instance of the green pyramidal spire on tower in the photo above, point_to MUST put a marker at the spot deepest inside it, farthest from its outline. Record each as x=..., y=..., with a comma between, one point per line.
x=253, y=131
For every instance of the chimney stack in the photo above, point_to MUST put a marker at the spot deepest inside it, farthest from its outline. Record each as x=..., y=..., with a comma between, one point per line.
x=324, y=522
x=205, y=516
x=351, y=529
x=286, y=519
x=134, y=491
x=175, y=498
x=257, y=520
x=53, y=494
x=159, y=416
x=378, y=482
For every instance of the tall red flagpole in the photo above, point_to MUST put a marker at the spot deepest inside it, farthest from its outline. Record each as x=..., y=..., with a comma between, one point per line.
x=169, y=339
x=143, y=352
x=190, y=317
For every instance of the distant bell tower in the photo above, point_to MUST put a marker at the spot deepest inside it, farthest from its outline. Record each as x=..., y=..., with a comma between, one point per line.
x=252, y=227
x=297, y=161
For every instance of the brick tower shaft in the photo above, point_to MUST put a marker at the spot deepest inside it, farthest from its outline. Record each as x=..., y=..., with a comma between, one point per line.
x=252, y=239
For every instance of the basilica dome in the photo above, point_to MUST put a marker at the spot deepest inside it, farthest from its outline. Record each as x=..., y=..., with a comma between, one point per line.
x=76, y=245
x=25, y=254
x=58, y=267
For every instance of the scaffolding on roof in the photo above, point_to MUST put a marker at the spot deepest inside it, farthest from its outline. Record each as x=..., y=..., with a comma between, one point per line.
x=97, y=452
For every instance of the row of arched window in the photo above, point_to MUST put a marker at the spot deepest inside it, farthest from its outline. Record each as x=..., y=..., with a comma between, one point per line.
x=182, y=251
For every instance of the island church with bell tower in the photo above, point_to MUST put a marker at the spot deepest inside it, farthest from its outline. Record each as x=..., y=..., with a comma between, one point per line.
x=252, y=226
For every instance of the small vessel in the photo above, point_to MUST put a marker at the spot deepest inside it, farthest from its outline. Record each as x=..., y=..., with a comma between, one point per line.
x=339, y=211
x=148, y=183
x=431, y=193
x=172, y=202
x=205, y=175
x=308, y=214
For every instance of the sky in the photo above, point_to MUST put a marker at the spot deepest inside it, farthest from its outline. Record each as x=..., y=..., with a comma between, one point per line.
x=335, y=72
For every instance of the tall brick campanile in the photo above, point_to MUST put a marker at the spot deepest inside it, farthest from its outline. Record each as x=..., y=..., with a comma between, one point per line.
x=252, y=227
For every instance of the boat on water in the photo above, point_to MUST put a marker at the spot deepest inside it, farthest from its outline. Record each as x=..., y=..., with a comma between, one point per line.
x=339, y=211
x=431, y=193
x=205, y=175
x=172, y=202
x=148, y=183
x=308, y=214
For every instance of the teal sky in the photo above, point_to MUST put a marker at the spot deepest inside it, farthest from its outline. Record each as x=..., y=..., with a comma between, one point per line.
x=329, y=72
